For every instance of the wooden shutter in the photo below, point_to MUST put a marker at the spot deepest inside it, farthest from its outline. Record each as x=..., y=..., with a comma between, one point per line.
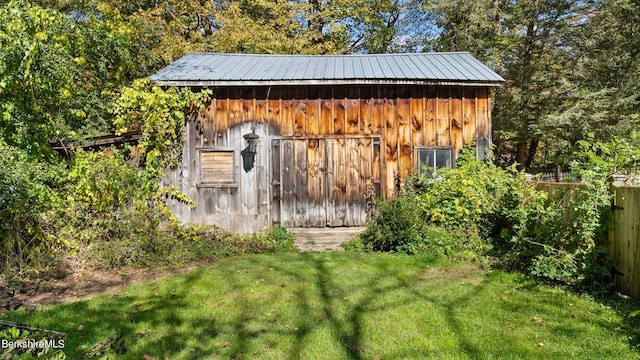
x=217, y=167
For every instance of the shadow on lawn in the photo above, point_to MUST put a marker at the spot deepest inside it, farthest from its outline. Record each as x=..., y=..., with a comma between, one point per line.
x=311, y=291
x=322, y=296
x=136, y=318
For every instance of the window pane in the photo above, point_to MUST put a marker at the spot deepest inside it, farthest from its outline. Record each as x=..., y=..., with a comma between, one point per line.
x=431, y=161
x=443, y=158
x=425, y=161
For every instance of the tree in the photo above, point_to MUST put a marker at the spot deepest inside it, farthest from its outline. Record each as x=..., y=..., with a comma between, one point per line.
x=36, y=75
x=529, y=43
x=58, y=69
x=601, y=97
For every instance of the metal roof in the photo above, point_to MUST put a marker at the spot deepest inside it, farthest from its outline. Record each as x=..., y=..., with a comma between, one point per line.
x=215, y=69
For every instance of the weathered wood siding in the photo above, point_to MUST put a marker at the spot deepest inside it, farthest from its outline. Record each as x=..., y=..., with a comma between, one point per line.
x=320, y=148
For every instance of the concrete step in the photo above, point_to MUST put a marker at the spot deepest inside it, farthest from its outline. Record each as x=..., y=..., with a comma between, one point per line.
x=321, y=239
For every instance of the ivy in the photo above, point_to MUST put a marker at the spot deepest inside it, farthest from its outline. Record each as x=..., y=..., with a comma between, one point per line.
x=160, y=116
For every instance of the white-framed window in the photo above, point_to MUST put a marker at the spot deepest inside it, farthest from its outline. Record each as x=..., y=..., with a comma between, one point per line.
x=217, y=167
x=432, y=158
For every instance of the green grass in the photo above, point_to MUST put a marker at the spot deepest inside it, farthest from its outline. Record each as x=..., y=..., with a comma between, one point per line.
x=341, y=306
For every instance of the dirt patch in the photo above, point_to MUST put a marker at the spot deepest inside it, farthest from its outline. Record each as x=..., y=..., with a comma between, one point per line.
x=80, y=284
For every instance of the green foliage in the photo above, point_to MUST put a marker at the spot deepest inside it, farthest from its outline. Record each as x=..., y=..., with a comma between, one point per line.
x=36, y=74
x=412, y=224
x=397, y=227
x=57, y=71
x=159, y=115
x=479, y=210
x=27, y=197
x=269, y=240
x=104, y=183
x=600, y=160
x=470, y=196
x=106, y=49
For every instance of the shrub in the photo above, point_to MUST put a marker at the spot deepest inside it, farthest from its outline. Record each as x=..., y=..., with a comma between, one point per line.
x=479, y=209
x=28, y=193
x=397, y=227
x=401, y=225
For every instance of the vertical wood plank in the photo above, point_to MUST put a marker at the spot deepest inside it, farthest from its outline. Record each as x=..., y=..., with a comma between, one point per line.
x=326, y=111
x=635, y=239
x=287, y=112
x=222, y=122
x=430, y=124
x=235, y=108
x=248, y=98
x=301, y=173
x=352, y=110
x=222, y=203
x=377, y=116
x=353, y=190
x=300, y=117
x=260, y=110
x=628, y=238
x=469, y=116
x=262, y=177
x=456, y=118
x=443, y=134
x=316, y=214
x=417, y=116
x=276, y=182
x=336, y=182
x=377, y=167
x=366, y=178
x=313, y=111
x=248, y=186
x=391, y=142
x=287, y=210
x=366, y=106
x=274, y=115
x=482, y=121
x=207, y=126
x=339, y=111
x=404, y=131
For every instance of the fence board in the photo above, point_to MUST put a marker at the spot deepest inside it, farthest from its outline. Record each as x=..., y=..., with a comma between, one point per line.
x=626, y=249
x=624, y=239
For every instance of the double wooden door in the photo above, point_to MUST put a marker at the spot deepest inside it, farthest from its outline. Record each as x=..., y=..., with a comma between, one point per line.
x=323, y=182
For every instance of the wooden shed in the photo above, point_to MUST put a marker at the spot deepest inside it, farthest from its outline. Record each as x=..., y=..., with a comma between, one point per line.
x=301, y=141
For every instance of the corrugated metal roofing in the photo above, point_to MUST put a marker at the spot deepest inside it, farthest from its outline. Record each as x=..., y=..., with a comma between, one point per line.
x=215, y=69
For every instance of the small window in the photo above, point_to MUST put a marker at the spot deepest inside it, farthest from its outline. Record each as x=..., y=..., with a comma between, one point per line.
x=431, y=159
x=217, y=167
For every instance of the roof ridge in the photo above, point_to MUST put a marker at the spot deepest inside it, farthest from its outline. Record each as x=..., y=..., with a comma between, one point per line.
x=331, y=55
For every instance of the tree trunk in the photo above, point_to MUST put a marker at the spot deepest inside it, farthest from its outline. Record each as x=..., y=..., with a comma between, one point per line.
x=531, y=154
x=316, y=23
x=521, y=155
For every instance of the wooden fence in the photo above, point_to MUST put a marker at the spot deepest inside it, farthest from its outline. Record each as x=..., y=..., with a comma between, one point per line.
x=624, y=244
x=624, y=237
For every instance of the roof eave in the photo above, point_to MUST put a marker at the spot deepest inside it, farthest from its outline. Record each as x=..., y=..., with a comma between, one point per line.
x=218, y=83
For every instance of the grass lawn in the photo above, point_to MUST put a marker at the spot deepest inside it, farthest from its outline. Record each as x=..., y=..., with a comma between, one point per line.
x=340, y=306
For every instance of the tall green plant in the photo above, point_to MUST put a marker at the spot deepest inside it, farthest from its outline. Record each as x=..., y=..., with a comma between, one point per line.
x=36, y=75
x=28, y=193
x=160, y=116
